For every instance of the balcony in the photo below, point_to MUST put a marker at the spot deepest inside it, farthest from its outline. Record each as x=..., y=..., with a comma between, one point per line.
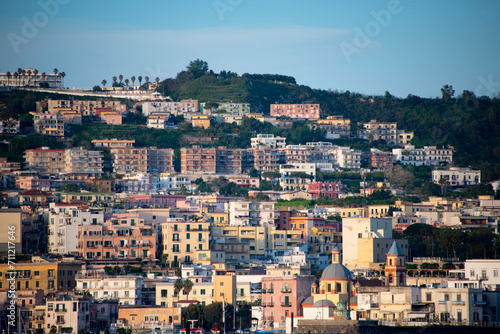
x=270, y=290
x=270, y=304
x=60, y=321
x=286, y=290
x=60, y=310
x=269, y=318
x=480, y=303
x=286, y=304
x=374, y=305
x=458, y=302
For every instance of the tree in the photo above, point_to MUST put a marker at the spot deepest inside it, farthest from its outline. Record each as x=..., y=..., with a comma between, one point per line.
x=197, y=68
x=35, y=73
x=213, y=314
x=126, y=82
x=104, y=82
x=157, y=80
x=164, y=259
x=70, y=187
x=63, y=74
x=140, y=80
x=194, y=312
x=8, y=74
x=178, y=286
x=401, y=177
x=120, y=77
x=447, y=92
x=146, y=79
x=187, y=286
x=443, y=183
x=114, y=81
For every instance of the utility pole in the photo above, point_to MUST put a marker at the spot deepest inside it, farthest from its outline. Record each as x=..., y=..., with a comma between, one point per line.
x=224, y=311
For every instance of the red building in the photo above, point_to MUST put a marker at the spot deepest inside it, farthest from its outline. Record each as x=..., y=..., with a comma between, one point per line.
x=296, y=111
x=326, y=189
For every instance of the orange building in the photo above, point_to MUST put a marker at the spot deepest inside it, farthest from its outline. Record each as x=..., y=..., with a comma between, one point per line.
x=123, y=237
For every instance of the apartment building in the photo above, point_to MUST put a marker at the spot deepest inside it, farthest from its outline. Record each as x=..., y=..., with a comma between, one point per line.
x=245, y=181
x=214, y=160
x=455, y=176
x=41, y=273
x=171, y=182
x=228, y=107
x=10, y=126
x=297, y=176
x=206, y=290
x=68, y=311
x=325, y=189
x=113, y=143
x=267, y=159
x=28, y=303
x=282, y=297
x=268, y=141
x=296, y=111
x=81, y=161
x=126, y=289
x=49, y=125
x=347, y=157
x=426, y=156
x=387, y=131
x=86, y=107
x=142, y=160
x=45, y=160
x=168, y=108
x=157, y=121
x=335, y=126
x=140, y=317
x=246, y=213
x=125, y=237
x=255, y=236
x=182, y=239
x=200, y=121
x=7, y=167
x=64, y=221
x=72, y=161
x=380, y=160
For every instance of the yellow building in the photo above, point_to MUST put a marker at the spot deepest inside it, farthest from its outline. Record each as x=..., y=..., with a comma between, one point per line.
x=41, y=274
x=377, y=211
x=352, y=212
x=206, y=290
x=255, y=236
x=148, y=316
x=372, y=251
x=321, y=239
x=181, y=240
x=200, y=121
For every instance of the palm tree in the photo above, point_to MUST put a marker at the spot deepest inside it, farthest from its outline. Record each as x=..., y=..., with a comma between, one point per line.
x=104, y=82
x=133, y=80
x=55, y=75
x=63, y=74
x=157, y=80
x=23, y=72
x=114, y=81
x=16, y=75
x=140, y=80
x=8, y=74
x=126, y=82
x=187, y=287
x=35, y=72
x=120, y=77
x=44, y=75
x=178, y=286
x=147, y=82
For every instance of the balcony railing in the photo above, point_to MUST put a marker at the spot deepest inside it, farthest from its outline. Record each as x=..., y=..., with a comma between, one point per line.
x=286, y=304
x=286, y=290
x=270, y=290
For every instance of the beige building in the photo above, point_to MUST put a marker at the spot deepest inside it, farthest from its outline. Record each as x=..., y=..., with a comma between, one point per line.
x=126, y=289
x=142, y=160
x=11, y=238
x=50, y=125
x=140, y=317
x=113, y=143
x=181, y=240
x=68, y=311
x=387, y=131
x=86, y=107
x=70, y=161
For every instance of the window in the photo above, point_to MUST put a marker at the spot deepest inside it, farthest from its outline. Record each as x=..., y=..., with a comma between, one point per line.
x=188, y=235
x=202, y=291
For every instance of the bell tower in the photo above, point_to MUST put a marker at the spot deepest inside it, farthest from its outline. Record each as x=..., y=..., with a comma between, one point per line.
x=395, y=266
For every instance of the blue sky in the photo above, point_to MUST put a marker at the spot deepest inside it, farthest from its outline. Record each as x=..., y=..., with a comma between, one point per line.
x=404, y=47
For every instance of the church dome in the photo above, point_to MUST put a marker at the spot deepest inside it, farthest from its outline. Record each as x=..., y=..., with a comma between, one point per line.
x=336, y=271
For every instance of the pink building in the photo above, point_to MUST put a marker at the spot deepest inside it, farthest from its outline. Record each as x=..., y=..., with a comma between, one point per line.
x=298, y=111
x=326, y=189
x=282, y=296
x=124, y=236
x=113, y=118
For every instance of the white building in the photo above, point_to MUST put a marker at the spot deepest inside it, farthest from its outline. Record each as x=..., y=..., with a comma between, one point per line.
x=168, y=108
x=64, y=220
x=157, y=121
x=245, y=213
x=289, y=181
x=268, y=141
x=169, y=182
x=127, y=289
x=456, y=176
x=79, y=160
x=427, y=156
x=10, y=126
x=485, y=270
x=348, y=158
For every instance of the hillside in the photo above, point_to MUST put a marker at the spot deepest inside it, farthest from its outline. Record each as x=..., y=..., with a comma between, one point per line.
x=468, y=123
